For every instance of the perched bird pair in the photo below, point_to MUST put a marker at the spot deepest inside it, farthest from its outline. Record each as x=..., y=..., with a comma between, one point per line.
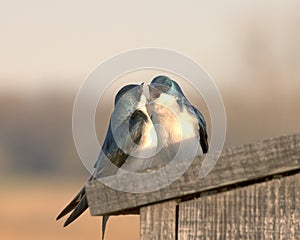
x=133, y=131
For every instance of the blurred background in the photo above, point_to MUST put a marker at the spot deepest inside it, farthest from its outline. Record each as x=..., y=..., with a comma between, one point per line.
x=48, y=48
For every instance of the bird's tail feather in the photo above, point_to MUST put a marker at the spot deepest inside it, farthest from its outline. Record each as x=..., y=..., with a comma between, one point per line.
x=79, y=204
x=104, y=221
x=80, y=208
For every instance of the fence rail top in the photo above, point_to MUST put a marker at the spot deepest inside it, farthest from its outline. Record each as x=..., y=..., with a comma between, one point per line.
x=237, y=165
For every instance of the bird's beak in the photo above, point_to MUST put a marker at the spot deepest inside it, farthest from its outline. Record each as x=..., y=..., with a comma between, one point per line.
x=154, y=92
x=141, y=88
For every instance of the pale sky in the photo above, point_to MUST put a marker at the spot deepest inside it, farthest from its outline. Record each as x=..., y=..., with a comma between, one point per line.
x=55, y=44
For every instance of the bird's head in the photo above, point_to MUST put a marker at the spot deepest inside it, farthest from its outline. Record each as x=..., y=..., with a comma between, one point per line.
x=130, y=93
x=163, y=84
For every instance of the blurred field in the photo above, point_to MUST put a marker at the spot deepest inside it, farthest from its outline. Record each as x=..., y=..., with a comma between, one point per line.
x=29, y=208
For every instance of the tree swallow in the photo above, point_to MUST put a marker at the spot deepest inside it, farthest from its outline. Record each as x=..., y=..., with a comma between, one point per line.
x=130, y=130
x=177, y=119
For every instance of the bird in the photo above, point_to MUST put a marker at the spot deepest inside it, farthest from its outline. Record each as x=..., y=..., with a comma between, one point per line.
x=174, y=118
x=130, y=128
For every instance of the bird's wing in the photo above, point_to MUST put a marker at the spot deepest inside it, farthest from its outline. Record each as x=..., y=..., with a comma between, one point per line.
x=112, y=157
x=109, y=160
x=202, y=130
x=74, y=203
x=201, y=122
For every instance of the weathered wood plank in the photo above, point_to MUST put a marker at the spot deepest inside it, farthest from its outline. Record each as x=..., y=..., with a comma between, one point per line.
x=236, y=165
x=158, y=221
x=268, y=210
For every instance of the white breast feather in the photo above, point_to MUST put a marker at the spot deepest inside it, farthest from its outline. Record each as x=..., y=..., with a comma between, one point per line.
x=179, y=124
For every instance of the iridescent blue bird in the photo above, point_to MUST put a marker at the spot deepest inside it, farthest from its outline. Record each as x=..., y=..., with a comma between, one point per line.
x=130, y=128
x=178, y=119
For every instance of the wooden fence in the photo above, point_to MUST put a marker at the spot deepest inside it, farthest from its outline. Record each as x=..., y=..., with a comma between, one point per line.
x=253, y=192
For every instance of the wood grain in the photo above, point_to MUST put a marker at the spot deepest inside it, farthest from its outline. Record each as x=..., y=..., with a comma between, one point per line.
x=158, y=221
x=236, y=165
x=268, y=210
